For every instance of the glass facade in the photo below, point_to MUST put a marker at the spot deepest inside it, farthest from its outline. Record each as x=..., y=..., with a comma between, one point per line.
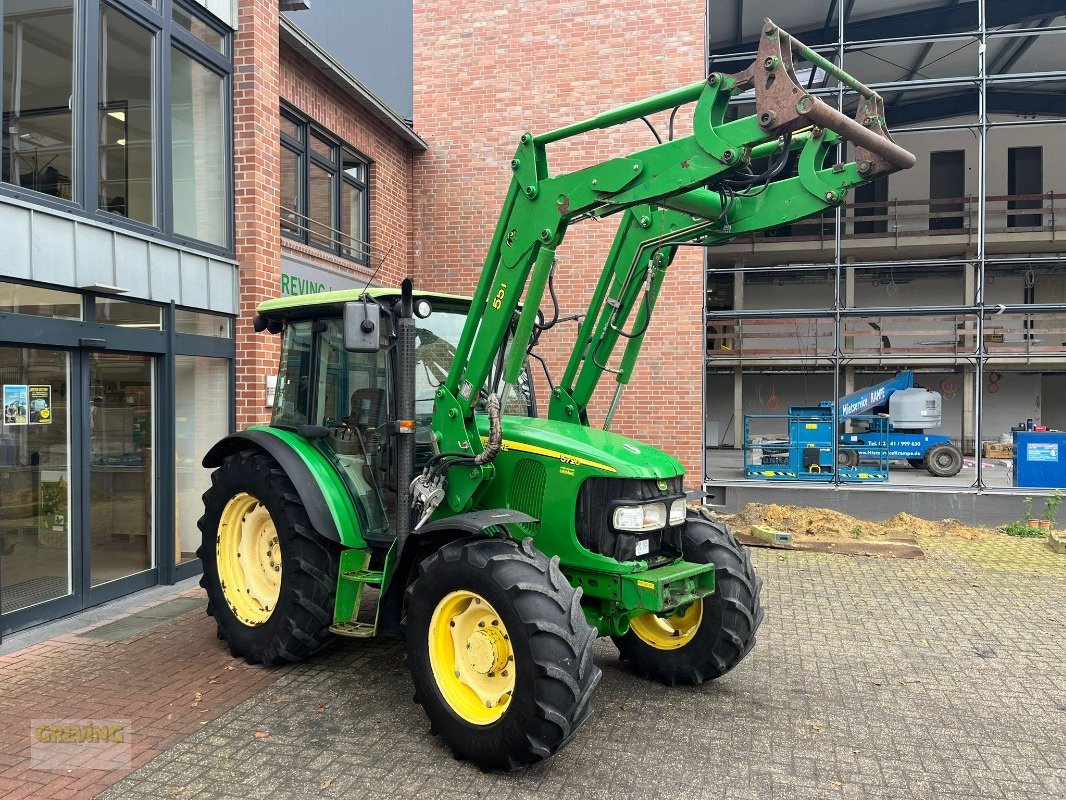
x=35, y=478
x=127, y=118
x=202, y=417
x=200, y=184
x=116, y=185
x=140, y=85
x=38, y=128
x=954, y=269
x=101, y=441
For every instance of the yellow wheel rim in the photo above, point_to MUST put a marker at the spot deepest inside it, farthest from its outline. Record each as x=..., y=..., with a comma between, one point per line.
x=248, y=556
x=471, y=656
x=669, y=633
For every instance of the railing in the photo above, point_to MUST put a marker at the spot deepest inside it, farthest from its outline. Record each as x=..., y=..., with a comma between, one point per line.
x=319, y=234
x=876, y=335
x=770, y=337
x=939, y=216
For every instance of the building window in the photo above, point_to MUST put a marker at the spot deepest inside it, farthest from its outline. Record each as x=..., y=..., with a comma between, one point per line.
x=1025, y=185
x=324, y=199
x=127, y=118
x=38, y=128
x=156, y=108
x=200, y=184
x=947, y=181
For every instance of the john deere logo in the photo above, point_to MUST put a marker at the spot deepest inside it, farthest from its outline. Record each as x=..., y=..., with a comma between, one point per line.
x=662, y=486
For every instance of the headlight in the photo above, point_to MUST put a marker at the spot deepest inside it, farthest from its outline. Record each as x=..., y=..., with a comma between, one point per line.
x=649, y=517
x=677, y=511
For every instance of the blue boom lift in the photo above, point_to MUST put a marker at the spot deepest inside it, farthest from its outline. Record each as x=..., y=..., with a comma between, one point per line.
x=910, y=411
x=888, y=422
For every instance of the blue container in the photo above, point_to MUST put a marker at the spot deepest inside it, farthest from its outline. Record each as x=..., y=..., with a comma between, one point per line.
x=1040, y=460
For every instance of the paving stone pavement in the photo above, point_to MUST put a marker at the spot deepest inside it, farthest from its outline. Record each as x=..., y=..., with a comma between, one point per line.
x=872, y=678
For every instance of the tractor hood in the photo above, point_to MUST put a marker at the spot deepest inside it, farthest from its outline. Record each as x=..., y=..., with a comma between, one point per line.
x=600, y=452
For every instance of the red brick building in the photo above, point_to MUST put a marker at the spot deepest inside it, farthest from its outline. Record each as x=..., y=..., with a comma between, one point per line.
x=302, y=120
x=485, y=72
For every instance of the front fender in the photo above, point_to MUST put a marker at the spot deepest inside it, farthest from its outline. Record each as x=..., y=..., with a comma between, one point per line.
x=419, y=544
x=321, y=490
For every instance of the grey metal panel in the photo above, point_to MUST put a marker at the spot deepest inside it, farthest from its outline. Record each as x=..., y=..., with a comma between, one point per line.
x=95, y=263
x=164, y=263
x=221, y=288
x=132, y=266
x=194, y=291
x=53, y=248
x=50, y=246
x=15, y=234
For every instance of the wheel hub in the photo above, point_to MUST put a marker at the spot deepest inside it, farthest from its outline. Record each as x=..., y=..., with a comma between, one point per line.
x=486, y=650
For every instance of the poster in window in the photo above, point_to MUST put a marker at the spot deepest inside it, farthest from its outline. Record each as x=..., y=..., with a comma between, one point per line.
x=16, y=402
x=40, y=405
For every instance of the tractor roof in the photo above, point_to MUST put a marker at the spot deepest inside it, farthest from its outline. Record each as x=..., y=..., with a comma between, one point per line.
x=325, y=303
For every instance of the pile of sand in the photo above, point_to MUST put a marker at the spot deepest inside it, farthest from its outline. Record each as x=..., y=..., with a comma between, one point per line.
x=824, y=524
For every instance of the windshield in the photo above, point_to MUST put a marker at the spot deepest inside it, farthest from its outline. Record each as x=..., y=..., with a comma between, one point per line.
x=437, y=337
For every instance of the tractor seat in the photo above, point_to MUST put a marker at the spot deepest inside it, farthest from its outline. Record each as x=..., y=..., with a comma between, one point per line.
x=367, y=410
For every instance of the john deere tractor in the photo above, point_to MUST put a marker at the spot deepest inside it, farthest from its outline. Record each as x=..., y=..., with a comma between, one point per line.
x=407, y=487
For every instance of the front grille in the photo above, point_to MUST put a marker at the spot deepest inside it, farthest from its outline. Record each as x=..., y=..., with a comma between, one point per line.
x=595, y=508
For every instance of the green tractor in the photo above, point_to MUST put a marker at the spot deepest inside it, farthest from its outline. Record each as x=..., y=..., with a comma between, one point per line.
x=406, y=485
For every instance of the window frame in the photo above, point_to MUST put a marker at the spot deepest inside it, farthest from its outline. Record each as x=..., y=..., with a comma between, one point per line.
x=166, y=35
x=307, y=156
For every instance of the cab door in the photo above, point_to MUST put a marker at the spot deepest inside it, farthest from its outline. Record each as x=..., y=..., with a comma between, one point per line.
x=351, y=400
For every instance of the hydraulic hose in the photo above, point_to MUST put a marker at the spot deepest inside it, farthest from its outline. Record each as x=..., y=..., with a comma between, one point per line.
x=495, y=442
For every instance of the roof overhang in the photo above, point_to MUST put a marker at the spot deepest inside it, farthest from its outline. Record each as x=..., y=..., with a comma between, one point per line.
x=298, y=40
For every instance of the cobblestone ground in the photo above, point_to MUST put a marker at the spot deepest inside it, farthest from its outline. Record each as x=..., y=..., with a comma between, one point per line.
x=873, y=678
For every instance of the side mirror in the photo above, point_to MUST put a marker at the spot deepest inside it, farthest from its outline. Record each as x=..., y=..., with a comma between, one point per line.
x=362, y=320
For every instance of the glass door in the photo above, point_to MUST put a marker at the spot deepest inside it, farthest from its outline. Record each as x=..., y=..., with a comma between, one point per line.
x=35, y=457
x=121, y=465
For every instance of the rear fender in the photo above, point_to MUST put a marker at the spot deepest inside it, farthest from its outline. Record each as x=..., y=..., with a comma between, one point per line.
x=321, y=490
x=418, y=545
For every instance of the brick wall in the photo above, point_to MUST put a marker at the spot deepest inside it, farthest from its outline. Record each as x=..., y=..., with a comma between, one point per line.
x=265, y=73
x=487, y=71
x=256, y=78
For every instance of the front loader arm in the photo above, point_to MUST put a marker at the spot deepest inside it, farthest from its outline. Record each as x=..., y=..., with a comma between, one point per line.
x=668, y=180
x=644, y=247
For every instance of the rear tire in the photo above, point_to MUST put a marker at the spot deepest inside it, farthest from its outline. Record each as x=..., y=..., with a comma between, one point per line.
x=535, y=625
x=943, y=461
x=722, y=633
x=295, y=625
x=917, y=463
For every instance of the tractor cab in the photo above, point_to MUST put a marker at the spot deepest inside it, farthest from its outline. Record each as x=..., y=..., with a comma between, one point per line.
x=345, y=400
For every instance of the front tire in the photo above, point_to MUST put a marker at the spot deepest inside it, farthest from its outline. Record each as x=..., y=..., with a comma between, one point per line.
x=499, y=651
x=270, y=577
x=714, y=634
x=943, y=461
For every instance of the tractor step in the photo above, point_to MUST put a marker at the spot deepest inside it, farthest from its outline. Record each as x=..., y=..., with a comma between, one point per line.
x=360, y=630
x=371, y=577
